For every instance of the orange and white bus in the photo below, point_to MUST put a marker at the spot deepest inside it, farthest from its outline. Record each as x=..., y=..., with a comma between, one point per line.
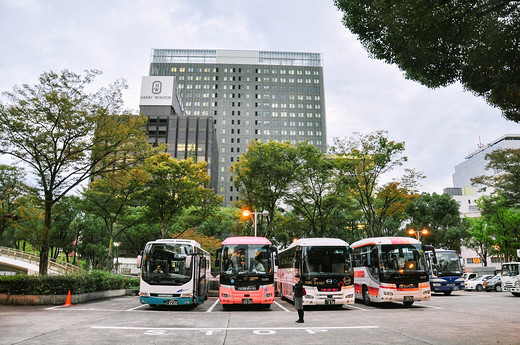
x=391, y=269
x=247, y=267
x=325, y=267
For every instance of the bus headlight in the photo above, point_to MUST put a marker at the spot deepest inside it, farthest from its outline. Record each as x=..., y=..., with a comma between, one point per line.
x=225, y=295
x=436, y=284
x=144, y=294
x=186, y=295
x=308, y=296
x=517, y=284
x=388, y=293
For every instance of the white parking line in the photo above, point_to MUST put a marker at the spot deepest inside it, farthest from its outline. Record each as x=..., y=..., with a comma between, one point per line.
x=358, y=308
x=281, y=306
x=213, y=306
x=139, y=306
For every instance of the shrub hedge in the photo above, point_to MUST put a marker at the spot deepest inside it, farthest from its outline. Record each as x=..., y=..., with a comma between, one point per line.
x=61, y=284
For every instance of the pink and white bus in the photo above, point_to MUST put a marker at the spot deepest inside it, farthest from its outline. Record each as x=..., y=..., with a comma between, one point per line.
x=246, y=271
x=391, y=269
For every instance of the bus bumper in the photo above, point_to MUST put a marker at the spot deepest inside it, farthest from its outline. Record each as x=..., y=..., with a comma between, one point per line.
x=166, y=300
x=314, y=297
x=229, y=295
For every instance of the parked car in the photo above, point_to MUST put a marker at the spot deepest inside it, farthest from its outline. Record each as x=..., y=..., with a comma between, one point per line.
x=477, y=283
x=493, y=284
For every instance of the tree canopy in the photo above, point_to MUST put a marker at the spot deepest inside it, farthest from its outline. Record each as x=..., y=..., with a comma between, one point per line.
x=441, y=42
x=64, y=135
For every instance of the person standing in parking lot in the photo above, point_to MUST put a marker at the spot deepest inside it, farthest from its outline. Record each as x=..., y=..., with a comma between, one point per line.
x=298, y=297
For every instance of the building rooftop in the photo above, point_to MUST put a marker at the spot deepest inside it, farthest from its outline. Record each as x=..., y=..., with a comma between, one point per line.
x=246, y=57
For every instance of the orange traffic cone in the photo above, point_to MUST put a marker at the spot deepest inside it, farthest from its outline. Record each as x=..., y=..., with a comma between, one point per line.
x=67, y=302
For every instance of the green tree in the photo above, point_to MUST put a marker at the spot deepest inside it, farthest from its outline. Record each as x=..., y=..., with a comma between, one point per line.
x=65, y=135
x=11, y=188
x=440, y=214
x=110, y=198
x=91, y=246
x=174, y=185
x=479, y=239
x=315, y=189
x=62, y=236
x=263, y=175
x=507, y=181
x=437, y=43
x=362, y=161
x=503, y=225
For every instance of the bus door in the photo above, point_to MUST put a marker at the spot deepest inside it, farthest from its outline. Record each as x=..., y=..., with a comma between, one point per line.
x=202, y=276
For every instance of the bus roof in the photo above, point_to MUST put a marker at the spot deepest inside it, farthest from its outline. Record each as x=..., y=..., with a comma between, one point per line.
x=176, y=240
x=318, y=241
x=246, y=240
x=385, y=240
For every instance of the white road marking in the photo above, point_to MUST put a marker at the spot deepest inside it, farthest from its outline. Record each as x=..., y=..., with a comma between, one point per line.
x=208, y=329
x=281, y=306
x=213, y=306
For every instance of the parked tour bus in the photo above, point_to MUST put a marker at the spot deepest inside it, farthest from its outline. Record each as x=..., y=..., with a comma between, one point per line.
x=446, y=275
x=391, y=269
x=325, y=267
x=511, y=278
x=173, y=272
x=247, y=267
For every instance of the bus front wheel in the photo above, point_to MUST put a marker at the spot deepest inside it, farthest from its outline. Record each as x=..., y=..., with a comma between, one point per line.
x=366, y=296
x=447, y=293
x=408, y=303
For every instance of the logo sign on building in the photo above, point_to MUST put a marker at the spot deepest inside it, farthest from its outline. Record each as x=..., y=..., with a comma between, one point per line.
x=158, y=91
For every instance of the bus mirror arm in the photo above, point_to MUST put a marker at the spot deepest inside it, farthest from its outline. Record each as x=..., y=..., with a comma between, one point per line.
x=217, y=258
x=432, y=249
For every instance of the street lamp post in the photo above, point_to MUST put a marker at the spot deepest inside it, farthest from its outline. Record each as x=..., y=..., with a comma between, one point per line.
x=116, y=244
x=247, y=213
x=418, y=233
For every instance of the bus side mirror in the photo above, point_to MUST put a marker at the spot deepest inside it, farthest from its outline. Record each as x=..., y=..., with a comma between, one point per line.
x=276, y=257
x=188, y=261
x=217, y=257
x=139, y=260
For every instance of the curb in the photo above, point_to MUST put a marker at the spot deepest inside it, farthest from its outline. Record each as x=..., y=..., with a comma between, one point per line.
x=61, y=299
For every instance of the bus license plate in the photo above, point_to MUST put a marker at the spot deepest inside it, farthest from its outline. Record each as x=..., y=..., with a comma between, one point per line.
x=330, y=301
x=247, y=301
x=408, y=298
x=172, y=302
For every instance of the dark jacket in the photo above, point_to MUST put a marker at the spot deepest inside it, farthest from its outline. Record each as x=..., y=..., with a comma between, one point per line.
x=298, y=289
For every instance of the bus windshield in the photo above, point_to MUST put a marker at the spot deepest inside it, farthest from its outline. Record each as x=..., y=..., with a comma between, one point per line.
x=510, y=270
x=246, y=259
x=165, y=264
x=323, y=260
x=402, y=258
x=448, y=264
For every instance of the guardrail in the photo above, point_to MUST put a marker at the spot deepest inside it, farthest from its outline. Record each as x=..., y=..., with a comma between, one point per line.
x=60, y=268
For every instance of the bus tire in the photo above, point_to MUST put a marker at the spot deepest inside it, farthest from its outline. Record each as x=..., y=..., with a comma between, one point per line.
x=447, y=293
x=516, y=294
x=366, y=296
x=409, y=303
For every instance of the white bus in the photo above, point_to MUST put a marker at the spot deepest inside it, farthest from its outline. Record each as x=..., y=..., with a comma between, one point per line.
x=325, y=267
x=391, y=269
x=173, y=272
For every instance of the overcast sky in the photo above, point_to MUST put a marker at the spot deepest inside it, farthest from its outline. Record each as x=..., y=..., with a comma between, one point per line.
x=439, y=127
